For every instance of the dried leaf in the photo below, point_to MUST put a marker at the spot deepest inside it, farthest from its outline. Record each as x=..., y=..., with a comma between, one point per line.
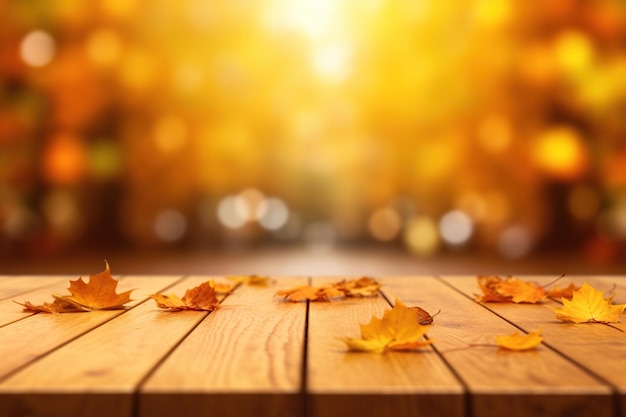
x=58, y=306
x=362, y=287
x=254, y=280
x=304, y=293
x=397, y=330
x=498, y=290
x=558, y=292
x=518, y=341
x=588, y=305
x=423, y=317
x=223, y=288
x=202, y=298
x=99, y=293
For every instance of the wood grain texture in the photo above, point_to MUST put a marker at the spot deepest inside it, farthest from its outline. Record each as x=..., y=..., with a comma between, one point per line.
x=577, y=341
x=30, y=340
x=11, y=287
x=244, y=359
x=345, y=384
x=496, y=378
x=11, y=312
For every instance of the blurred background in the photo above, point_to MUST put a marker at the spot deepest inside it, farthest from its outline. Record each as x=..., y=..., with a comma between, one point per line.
x=413, y=132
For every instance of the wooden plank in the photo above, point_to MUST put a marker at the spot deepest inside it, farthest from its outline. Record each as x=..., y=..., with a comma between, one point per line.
x=41, y=291
x=595, y=347
x=26, y=340
x=245, y=359
x=109, y=361
x=346, y=384
x=13, y=286
x=537, y=383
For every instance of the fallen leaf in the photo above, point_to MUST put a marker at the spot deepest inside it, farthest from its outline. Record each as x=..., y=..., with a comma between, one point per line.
x=99, y=293
x=254, y=280
x=498, y=290
x=57, y=306
x=588, y=305
x=303, y=293
x=558, y=292
x=423, y=317
x=362, y=287
x=223, y=288
x=397, y=330
x=202, y=298
x=518, y=341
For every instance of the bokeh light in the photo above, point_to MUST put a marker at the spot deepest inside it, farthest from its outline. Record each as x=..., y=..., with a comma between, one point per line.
x=479, y=126
x=422, y=236
x=170, y=225
x=456, y=227
x=384, y=224
x=37, y=48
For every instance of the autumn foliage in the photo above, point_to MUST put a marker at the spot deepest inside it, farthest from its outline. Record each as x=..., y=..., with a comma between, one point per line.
x=99, y=293
x=203, y=298
x=399, y=329
x=362, y=287
x=588, y=305
x=515, y=290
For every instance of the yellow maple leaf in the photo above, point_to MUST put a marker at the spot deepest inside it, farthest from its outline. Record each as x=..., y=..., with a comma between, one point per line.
x=99, y=293
x=203, y=298
x=588, y=305
x=518, y=341
x=254, y=280
x=397, y=330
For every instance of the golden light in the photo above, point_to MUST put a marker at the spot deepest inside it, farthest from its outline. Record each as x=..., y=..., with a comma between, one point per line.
x=138, y=69
x=103, y=47
x=421, y=236
x=574, y=52
x=312, y=18
x=119, y=9
x=492, y=13
x=495, y=133
x=170, y=133
x=559, y=151
x=333, y=61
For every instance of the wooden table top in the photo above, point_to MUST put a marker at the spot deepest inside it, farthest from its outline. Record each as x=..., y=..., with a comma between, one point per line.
x=259, y=356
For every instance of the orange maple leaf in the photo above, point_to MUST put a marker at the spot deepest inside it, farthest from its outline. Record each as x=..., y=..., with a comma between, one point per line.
x=397, y=330
x=498, y=290
x=362, y=287
x=99, y=293
x=567, y=292
x=307, y=292
x=203, y=297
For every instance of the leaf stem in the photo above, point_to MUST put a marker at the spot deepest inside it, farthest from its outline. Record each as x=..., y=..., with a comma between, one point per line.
x=553, y=281
x=607, y=324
